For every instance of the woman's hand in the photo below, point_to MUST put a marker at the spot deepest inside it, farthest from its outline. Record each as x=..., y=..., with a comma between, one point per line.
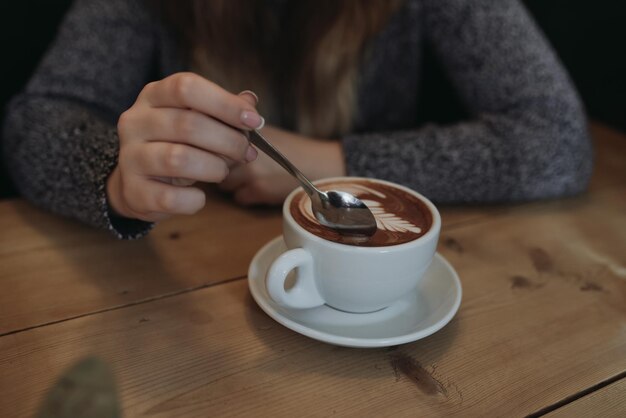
x=265, y=182
x=181, y=129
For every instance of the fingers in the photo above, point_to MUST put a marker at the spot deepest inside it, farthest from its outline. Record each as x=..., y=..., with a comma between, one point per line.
x=181, y=129
x=191, y=127
x=190, y=91
x=167, y=159
x=152, y=200
x=176, y=181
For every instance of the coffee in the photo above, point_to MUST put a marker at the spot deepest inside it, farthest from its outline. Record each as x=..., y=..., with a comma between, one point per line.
x=400, y=216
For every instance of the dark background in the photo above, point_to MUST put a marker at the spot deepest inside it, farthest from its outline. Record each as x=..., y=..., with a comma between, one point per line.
x=588, y=36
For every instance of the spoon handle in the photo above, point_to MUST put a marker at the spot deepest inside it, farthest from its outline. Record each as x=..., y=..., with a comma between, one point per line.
x=263, y=144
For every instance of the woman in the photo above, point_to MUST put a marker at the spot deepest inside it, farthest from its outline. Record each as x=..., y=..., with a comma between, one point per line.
x=95, y=138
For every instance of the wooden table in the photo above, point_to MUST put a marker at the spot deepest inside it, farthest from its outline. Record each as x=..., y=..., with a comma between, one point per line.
x=541, y=329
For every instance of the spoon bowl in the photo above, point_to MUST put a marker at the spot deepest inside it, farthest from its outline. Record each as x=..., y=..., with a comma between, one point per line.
x=343, y=212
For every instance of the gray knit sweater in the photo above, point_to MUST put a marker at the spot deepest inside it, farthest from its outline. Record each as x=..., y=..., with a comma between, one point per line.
x=526, y=138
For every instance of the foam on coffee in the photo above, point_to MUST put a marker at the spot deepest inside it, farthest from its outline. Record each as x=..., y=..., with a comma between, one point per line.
x=400, y=216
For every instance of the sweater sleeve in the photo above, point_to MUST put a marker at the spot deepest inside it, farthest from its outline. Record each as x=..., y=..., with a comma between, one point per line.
x=527, y=137
x=60, y=139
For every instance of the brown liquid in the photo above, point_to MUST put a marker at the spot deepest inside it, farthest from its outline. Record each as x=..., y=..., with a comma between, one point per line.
x=401, y=216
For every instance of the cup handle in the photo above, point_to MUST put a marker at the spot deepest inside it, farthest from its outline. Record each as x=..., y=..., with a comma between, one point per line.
x=304, y=293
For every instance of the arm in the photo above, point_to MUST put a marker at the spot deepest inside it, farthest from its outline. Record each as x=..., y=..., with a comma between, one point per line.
x=265, y=182
x=528, y=138
x=60, y=138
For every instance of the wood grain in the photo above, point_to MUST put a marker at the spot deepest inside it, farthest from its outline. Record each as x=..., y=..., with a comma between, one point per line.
x=543, y=317
x=58, y=269
x=610, y=157
x=608, y=402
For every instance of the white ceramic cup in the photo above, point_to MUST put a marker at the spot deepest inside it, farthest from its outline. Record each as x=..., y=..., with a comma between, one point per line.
x=347, y=277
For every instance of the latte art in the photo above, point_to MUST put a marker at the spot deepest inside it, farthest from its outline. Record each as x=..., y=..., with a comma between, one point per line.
x=390, y=221
x=400, y=216
x=384, y=220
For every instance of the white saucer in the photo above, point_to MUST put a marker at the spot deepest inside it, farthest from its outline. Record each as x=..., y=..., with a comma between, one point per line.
x=418, y=315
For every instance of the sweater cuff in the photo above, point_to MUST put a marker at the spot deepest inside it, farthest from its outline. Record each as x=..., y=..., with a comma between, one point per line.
x=126, y=228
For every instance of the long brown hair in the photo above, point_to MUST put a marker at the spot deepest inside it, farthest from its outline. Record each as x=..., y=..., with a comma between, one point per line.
x=306, y=61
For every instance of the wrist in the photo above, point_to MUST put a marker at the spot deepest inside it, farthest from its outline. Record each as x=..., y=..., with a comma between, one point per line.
x=323, y=159
x=336, y=165
x=114, y=195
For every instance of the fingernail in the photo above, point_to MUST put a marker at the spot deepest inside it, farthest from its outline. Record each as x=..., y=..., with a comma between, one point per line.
x=252, y=120
x=251, y=154
x=250, y=92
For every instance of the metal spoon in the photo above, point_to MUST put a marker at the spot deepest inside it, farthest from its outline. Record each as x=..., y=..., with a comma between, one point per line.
x=337, y=210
